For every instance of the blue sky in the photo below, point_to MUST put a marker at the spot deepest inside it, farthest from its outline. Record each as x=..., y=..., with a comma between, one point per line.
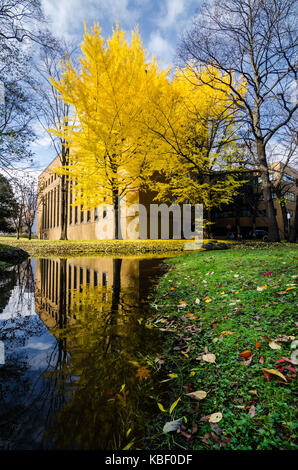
x=161, y=23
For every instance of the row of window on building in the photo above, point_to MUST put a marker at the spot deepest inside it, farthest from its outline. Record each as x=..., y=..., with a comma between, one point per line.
x=76, y=278
x=273, y=177
x=51, y=211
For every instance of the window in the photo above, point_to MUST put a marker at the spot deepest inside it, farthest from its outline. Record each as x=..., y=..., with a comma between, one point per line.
x=95, y=278
x=272, y=176
x=290, y=196
x=104, y=279
x=288, y=178
x=104, y=214
x=88, y=276
x=76, y=214
x=88, y=216
x=96, y=213
x=82, y=215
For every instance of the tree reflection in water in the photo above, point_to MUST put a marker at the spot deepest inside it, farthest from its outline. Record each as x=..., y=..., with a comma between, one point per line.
x=103, y=380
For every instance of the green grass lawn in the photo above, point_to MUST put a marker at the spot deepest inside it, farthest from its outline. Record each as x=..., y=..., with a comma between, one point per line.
x=221, y=306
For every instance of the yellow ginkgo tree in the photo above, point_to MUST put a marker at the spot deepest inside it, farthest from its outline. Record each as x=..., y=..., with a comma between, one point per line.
x=109, y=145
x=198, y=158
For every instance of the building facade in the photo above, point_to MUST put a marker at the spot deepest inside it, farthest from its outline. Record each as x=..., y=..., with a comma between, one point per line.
x=247, y=213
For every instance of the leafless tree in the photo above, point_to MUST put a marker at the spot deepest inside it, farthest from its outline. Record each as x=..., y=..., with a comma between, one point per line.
x=26, y=196
x=56, y=113
x=254, y=40
x=20, y=19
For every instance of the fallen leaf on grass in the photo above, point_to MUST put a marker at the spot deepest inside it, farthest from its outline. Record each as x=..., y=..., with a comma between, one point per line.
x=275, y=372
x=261, y=288
x=182, y=304
x=161, y=407
x=207, y=300
x=215, y=418
x=274, y=345
x=171, y=426
x=198, y=395
x=209, y=357
x=246, y=353
x=258, y=345
x=252, y=411
x=248, y=362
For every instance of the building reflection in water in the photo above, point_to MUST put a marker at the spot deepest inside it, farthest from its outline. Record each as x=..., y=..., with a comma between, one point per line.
x=106, y=369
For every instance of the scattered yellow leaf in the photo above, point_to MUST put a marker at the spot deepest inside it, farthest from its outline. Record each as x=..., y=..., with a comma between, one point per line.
x=173, y=405
x=161, y=407
x=260, y=288
x=275, y=372
x=207, y=300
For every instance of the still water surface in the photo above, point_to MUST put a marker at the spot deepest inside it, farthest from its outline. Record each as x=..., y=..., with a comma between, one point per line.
x=81, y=364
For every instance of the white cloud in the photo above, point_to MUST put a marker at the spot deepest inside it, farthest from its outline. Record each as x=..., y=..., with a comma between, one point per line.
x=67, y=16
x=173, y=9
x=161, y=48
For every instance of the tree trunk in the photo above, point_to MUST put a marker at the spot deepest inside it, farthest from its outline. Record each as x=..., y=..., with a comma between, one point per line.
x=64, y=194
x=273, y=232
x=64, y=207
x=117, y=224
x=285, y=220
x=294, y=227
x=30, y=234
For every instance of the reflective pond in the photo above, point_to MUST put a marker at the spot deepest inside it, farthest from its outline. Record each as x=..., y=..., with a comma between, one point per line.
x=81, y=362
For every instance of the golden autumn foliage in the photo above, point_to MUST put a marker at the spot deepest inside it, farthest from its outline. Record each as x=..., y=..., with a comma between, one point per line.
x=108, y=146
x=137, y=126
x=196, y=138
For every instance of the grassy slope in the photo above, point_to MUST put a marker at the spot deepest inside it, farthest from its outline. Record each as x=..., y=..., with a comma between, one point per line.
x=234, y=386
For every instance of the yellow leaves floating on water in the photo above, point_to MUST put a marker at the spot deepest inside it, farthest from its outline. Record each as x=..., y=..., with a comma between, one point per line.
x=209, y=357
x=142, y=373
x=198, y=395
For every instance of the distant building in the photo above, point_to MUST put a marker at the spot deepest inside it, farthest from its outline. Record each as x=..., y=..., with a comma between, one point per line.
x=247, y=212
